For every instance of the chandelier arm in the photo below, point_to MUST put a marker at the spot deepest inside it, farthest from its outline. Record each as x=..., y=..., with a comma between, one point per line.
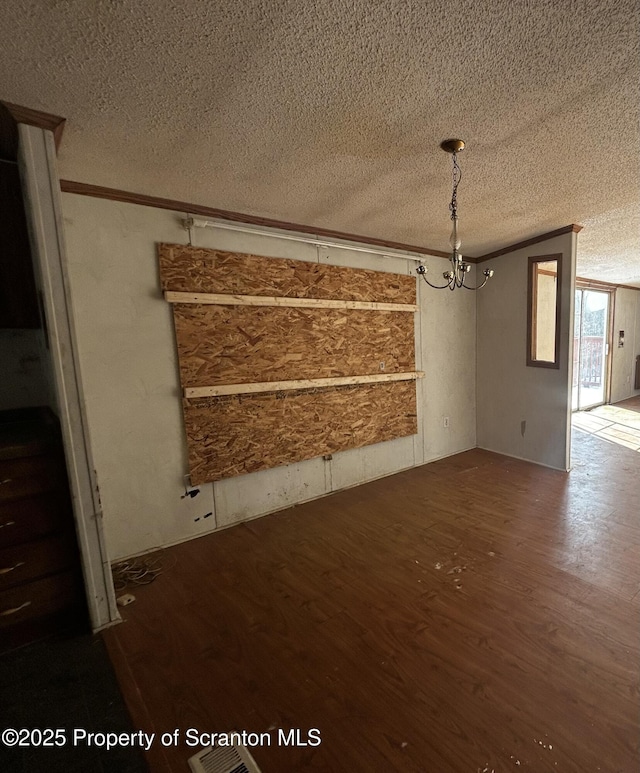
x=479, y=287
x=436, y=287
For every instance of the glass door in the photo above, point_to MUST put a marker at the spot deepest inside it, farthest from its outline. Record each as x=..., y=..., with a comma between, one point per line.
x=590, y=348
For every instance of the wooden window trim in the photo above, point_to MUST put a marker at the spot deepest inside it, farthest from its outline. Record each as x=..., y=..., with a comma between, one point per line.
x=531, y=311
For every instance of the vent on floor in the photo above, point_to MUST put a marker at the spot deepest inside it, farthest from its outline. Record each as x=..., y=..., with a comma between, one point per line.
x=223, y=759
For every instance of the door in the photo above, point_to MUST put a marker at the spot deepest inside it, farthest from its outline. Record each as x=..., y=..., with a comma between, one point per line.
x=590, y=349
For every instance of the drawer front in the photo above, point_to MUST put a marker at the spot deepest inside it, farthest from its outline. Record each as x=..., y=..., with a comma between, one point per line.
x=23, y=520
x=23, y=563
x=37, y=599
x=31, y=475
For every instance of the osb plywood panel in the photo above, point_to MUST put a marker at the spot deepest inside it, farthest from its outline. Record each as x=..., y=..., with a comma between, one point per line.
x=246, y=344
x=239, y=344
x=233, y=436
x=197, y=270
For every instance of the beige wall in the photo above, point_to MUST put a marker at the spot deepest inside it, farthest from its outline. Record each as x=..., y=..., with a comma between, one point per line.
x=130, y=379
x=627, y=318
x=523, y=411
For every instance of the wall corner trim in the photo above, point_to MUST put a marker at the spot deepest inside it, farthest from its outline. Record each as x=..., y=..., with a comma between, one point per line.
x=47, y=121
x=42, y=199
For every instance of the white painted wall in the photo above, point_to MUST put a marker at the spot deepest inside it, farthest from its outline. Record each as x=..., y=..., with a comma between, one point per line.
x=129, y=371
x=523, y=411
x=448, y=357
x=626, y=317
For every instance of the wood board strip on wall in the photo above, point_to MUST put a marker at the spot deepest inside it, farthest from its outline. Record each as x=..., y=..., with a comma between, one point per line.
x=221, y=299
x=308, y=383
x=232, y=436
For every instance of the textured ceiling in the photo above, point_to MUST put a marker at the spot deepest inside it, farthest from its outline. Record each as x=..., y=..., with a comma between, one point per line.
x=330, y=113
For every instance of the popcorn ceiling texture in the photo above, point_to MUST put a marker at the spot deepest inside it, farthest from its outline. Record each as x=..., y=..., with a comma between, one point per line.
x=330, y=112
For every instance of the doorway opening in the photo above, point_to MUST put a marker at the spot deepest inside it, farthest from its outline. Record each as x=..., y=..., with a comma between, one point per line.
x=591, y=349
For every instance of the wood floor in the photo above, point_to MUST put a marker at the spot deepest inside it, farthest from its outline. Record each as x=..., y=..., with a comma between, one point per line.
x=475, y=614
x=618, y=423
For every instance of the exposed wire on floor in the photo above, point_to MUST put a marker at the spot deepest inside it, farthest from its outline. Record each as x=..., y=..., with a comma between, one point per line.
x=139, y=571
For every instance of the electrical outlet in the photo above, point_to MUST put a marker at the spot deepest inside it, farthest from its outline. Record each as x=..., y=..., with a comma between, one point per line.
x=445, y=422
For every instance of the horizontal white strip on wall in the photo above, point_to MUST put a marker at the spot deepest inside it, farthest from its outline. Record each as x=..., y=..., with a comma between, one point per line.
x=198, y=222
x=307, y=383
x=220, y=299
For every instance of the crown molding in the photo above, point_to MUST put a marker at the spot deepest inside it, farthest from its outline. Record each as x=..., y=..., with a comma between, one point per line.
x=143, y=199
x=599, y=284
x=528, y=242
x=97, y=191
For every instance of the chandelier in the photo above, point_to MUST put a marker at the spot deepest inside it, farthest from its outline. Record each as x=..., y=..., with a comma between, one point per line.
x=457, y=274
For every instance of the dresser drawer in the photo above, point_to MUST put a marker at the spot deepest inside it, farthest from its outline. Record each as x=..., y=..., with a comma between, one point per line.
x=37, y=599
x=23, y=563
x=31, y=475
x=23, y=520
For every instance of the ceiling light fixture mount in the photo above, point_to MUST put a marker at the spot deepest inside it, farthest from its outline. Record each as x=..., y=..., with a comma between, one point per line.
x=456, y=276
x=452, y=146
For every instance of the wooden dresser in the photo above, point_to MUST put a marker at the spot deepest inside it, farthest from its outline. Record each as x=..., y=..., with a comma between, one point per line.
x=41, y=588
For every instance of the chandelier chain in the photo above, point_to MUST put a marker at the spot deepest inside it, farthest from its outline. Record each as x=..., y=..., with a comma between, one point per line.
x=457, y=177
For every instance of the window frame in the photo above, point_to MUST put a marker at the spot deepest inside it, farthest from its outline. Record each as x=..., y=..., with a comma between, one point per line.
x=532, y=309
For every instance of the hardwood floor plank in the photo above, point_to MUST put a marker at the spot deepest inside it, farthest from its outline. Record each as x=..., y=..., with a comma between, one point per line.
x=476, y=612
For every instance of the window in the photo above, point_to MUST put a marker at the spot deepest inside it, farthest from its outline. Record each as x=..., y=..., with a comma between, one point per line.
x=543, y=319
